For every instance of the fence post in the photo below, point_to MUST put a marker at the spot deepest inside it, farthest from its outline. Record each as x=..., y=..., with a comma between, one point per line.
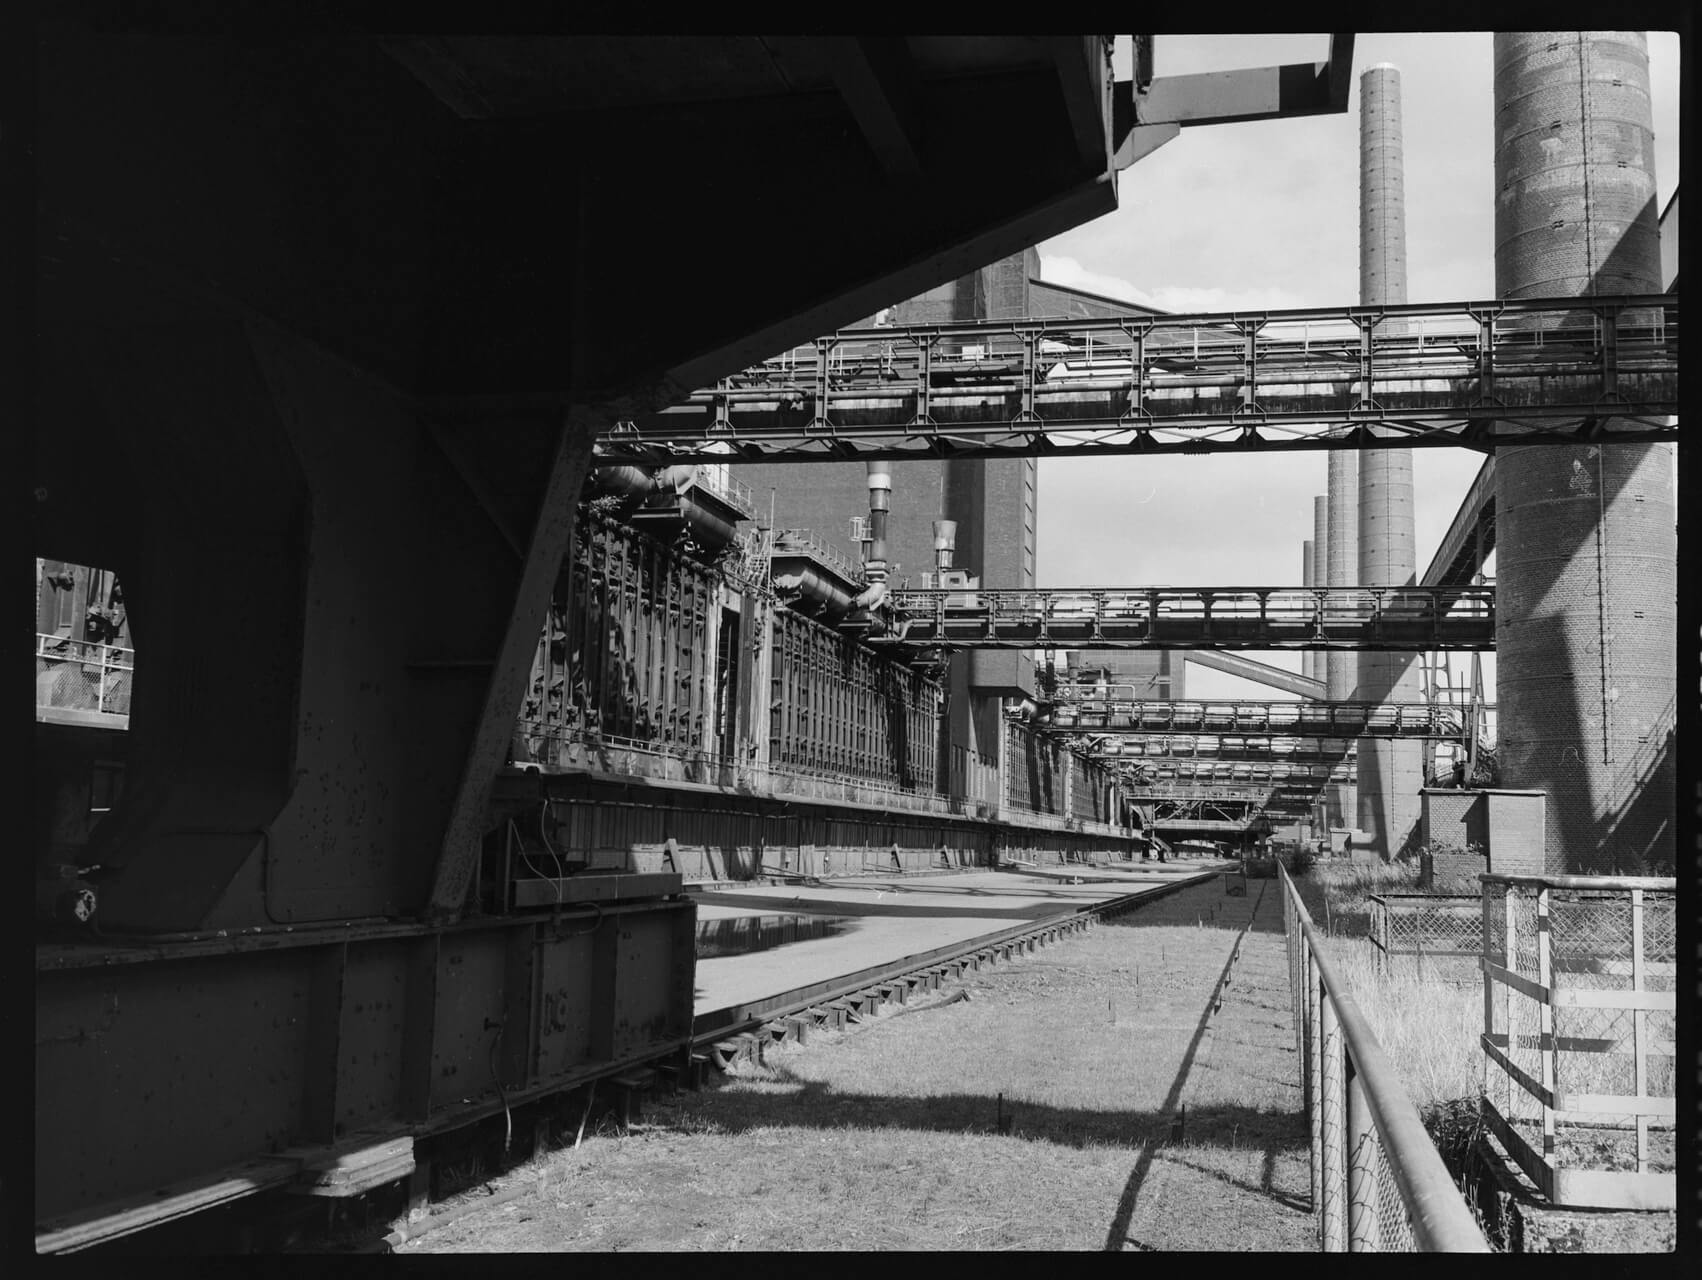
x=1334, y=1132
x=1509, y=961
x=1638, y=1029
x=1314, y=1075
x=1546, y=1042
x=1362, y=1219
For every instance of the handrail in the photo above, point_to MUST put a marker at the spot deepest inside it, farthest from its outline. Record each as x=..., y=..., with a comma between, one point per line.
x=1437, y=1213
x=1668, y=884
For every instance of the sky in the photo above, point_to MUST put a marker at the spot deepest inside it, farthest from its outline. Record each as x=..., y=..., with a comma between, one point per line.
x=1266, y=215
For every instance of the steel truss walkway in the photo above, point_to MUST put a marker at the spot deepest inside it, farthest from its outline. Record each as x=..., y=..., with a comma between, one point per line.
x=1114, y=708
x=1170, y=775
x=1478, y=374
x=1380, y=618
x=1169, y=749
x=1470, y=538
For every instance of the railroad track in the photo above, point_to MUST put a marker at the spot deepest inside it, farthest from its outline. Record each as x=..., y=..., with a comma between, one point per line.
x=721, y=1037
x=465, y=1172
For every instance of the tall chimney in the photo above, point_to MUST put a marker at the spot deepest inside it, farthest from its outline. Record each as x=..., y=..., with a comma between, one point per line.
x=1307, y=656
x=1391, y=771
x=1320, y=571
x=1585, y=626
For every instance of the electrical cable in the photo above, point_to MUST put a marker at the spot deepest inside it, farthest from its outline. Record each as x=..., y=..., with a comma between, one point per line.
x=525, y=857
x=507, y=1117
x=561, y=869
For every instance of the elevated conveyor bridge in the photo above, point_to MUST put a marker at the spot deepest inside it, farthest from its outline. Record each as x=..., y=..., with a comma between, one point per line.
x=1374, y=618
x=1477, y=374
x=1166, y=748
x=1114, y=709
x=1470, y=538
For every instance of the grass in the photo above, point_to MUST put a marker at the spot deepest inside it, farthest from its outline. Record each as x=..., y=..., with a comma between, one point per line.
x=1046, y=1112
x=1428, y=1030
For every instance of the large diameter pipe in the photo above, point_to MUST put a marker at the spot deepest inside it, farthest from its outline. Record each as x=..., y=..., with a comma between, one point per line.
x=1585, y=622
x=880, y=502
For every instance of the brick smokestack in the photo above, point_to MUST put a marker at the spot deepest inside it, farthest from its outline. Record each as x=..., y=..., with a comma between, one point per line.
x=1391, y=771
x=1586, y=541
x=1320, y=570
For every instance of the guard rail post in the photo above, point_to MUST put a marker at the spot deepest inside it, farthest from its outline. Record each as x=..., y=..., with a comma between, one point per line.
x=1377, y=1180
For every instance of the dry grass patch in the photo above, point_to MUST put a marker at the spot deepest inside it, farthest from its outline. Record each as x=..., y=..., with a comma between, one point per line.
x=889, y=1136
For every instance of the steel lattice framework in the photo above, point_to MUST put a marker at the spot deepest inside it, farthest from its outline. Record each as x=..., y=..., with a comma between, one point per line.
x=1167, y=749
x=1392, y=618
x=1115, y=709
x=1478, y=374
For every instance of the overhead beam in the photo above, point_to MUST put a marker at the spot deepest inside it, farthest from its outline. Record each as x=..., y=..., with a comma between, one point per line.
x=1252, y=93
x=1338, y=67
x=1471, y=534
x=1084, y=94
x=550, y=541
x=1259, y=672
x=875, y=78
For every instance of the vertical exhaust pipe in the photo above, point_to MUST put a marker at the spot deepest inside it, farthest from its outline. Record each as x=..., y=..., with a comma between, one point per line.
x=945, y=542
x=880, y=502
x=874, y=558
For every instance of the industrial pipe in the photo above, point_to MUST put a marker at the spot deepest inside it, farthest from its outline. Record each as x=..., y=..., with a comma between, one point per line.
x=641, y=482
x=880, y=502
x=816, y=587
x=945, y=543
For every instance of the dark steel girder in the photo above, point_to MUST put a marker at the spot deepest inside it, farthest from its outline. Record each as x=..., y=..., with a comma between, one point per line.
x=1252, y=93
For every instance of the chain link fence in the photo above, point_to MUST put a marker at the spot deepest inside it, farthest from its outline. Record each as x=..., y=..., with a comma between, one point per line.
x=1434, y=937
x=1579, y=1023
x=81, y=675
x=1378, y=1184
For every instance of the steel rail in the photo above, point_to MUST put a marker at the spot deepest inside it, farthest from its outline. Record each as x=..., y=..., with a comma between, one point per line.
x=717, y=1025
x=1440, y=1220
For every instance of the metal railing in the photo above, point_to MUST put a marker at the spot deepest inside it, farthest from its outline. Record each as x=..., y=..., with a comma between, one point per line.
x=83, y=675
x=804, y=541
x=717, y=478
x=1579, y=1019
x=553, y=749
x=1440, y=936
x=1378, y=1184
x=1392, y=618
x=1527, y=371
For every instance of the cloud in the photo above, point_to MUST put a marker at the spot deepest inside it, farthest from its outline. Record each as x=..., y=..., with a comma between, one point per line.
x=1059, y=269
x=1064, y=270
